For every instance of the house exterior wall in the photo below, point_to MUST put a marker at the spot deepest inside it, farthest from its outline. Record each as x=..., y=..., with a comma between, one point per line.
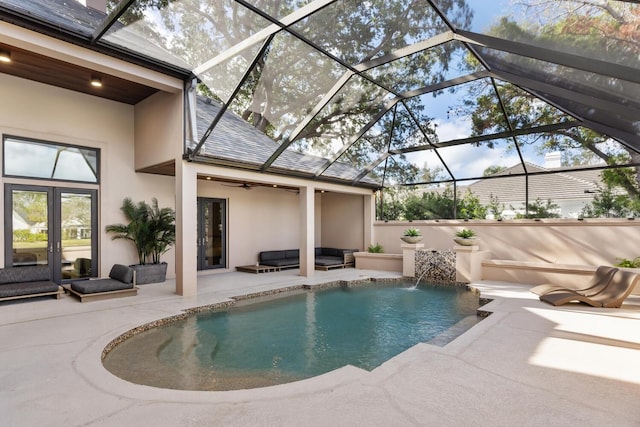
x=158, y=128
x=34, y=110
x=260, y=219
x=343, y=221
x=588, y=242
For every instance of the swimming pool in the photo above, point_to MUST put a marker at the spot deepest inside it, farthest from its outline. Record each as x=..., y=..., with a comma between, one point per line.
x=293, y=337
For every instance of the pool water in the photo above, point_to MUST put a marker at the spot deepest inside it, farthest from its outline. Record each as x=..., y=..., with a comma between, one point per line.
x=293, y=337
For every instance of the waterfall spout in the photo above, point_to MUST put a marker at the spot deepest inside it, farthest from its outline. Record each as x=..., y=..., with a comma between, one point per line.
x=419, y=278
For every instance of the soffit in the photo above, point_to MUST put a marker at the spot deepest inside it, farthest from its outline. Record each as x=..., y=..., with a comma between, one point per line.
x=47, y=70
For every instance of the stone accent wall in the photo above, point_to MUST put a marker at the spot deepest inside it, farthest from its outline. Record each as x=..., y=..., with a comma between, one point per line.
x=436, y=266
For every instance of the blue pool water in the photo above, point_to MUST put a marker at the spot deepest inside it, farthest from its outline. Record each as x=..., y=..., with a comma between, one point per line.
x=294, y=337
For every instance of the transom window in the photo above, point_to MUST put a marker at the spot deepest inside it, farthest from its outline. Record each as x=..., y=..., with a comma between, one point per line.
x=27, y=158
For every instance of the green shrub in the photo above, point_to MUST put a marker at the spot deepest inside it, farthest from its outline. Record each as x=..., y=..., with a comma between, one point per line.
x=375, y=249
x=628, y=263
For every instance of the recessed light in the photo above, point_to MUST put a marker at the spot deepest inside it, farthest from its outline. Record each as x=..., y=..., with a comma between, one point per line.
x=96, y=81
x=5, y=56
x=208, y=178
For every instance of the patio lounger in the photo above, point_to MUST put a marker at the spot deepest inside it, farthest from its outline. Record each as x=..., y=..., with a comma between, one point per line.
x=600, y=279
x=611, y=296
x=119, y=284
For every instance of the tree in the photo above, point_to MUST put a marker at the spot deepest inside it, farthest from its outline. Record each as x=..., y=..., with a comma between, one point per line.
x=607, y=204
x=540, y=209
x=290, y=78
x=592, y=29
x=440, y=205
x=431, y=205
x=469, y=207
x=492, y=170
x=494, y=207
x=32, y=206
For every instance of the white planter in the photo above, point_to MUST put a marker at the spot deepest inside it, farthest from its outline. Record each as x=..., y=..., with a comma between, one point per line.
x=411, y=239
x=469, y=241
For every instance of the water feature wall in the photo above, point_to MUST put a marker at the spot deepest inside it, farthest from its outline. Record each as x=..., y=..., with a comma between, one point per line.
x=436, y=266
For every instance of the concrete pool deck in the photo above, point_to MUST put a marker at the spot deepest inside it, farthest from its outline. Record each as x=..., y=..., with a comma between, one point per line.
x=527, y=364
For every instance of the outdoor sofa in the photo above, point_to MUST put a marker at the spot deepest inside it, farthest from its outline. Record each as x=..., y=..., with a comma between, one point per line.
x=26, y=282
x=120, y=283
x=325, y=258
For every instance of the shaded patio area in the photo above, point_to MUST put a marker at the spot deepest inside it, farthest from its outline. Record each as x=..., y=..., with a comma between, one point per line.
x=526, y=364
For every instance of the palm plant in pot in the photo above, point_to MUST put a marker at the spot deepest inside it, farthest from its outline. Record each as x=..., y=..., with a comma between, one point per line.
x=151, y=229
x=466, y=237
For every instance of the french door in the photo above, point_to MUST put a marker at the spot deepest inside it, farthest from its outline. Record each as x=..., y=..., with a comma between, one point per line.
x=52, y=226
x=212, y=233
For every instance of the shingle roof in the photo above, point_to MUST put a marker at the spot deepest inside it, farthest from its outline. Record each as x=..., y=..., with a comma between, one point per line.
x=236, y=141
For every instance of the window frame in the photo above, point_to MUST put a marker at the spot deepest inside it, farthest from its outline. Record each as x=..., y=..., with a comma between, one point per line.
x=6, y=137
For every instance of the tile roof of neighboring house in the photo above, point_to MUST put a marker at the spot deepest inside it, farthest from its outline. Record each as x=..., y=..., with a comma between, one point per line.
x=236, y=141
x=566, y=184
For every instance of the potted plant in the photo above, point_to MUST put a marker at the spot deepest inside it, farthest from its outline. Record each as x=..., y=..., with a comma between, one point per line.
x=466, y=237
x=375, y=249
x=411, y=235
x=152, y=231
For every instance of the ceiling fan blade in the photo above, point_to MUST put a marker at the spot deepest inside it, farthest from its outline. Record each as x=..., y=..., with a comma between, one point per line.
x=244, y=185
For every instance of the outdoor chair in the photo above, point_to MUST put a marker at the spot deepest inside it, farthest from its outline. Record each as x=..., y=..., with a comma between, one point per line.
x=611, y=296
x=120, y=283
x=600, y=279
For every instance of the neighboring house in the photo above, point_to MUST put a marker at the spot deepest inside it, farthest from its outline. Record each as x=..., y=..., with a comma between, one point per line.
x=570, y=189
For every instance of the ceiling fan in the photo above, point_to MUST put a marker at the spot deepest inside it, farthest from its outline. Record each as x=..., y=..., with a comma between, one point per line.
x=244, y=185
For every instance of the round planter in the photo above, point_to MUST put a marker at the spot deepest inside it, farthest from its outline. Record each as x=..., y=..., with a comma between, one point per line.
x=411, y=239
x=469, y=241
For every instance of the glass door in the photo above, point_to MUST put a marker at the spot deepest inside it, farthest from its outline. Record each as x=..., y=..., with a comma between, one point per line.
x=77, y=247
x=211, y=233
x=27, y=219
x=51, y=226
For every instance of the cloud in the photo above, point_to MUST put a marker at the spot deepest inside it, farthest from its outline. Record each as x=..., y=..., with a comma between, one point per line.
x=466, y=160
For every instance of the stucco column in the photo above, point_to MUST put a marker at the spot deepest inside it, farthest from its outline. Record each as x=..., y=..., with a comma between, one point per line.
x=307, y=231
x=369, y=214
x=186, y=228
x=469, y=263
x=409, y=258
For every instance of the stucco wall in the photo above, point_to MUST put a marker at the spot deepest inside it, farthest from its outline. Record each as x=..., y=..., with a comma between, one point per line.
x=343, y=221
x=158, y=129
x=34, y=110
x=588, y=242
x=259, y=219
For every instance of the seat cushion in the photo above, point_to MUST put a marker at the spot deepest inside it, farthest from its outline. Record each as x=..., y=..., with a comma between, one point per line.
x=271, y=255
x=27, y=288
x=121, y=273
x=329, y=252
x=34, y=273
x=292, y=253
x=100, y=285
x=284, y=262
x=328, y=260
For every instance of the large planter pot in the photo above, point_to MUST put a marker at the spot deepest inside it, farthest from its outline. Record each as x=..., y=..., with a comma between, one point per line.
x=469, y=241
x=411, y=239
x=150, y=273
